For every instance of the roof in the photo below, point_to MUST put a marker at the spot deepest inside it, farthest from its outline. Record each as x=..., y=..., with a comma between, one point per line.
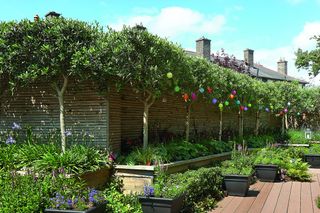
x=260, y=71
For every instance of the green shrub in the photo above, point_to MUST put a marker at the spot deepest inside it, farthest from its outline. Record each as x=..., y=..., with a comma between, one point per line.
x=318, y=202
x=215, y=147
x=118, y=202
x=297, y=137
x=240, y=164
x=313, y=149
x=197, y=185
x=259, y=141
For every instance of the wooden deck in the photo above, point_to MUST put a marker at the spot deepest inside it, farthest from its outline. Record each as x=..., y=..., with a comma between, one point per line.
x=291, y=197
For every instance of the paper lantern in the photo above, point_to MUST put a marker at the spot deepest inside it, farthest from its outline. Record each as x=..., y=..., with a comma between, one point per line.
x=249, y=105
x=267, y=109
x=201, y=90
x=214, y=100
x=281, y=113
x=231, y=96
x=185, y=97
x=289, y=103
x=237, y=102
x=226, y=103
x=298, y=113
x=209, y=89
x=285, y=110
x=169, y=75
x=193, y=96
x=271, y=107
x=245, y=108
x=176, y=88
x=241, y=108
x=220, y=105
x=233, y=92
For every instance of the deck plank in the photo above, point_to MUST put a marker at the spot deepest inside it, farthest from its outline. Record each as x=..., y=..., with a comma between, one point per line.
x=223, y=204
x=261, y=199
x=231, y=208
x=251, y=197
x=295, y=196
x=315, y=192
x=271, y=202
x=306, y=199
x=283, y=199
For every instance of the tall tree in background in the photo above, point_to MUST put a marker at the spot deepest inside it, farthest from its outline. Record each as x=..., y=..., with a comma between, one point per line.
x=53, y=50
x=309, y=60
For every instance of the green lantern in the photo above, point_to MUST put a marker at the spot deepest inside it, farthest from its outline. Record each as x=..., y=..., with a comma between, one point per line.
x=226, y=103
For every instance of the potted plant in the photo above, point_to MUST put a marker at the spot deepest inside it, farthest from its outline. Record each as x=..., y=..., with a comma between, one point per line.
x=237, y=174
x=82, y=201
x=312, y=155
x=267, y=165
x=162, y=198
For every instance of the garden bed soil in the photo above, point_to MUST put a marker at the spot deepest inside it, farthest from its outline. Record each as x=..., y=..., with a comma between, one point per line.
x=161, y=205
x=97, y=179
x=267, y=173
x=313, y=160
x=237, y=185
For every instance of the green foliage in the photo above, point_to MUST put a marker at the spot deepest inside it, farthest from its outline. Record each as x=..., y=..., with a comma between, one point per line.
x=118, y=202
x=198, y=186
x=287, y=159
x=309, y=59
x=313, y=149
x=175, y=151
x=297, y=137
x=240, y=164
x=259, y=140
x=318, y=202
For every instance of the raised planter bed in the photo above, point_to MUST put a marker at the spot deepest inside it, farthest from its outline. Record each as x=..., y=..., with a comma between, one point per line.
x=313, y=160
x=237, y=185
x=267, y=173
x=135, y=177
x=97, y=179
x=161, y=205
x=101, y=208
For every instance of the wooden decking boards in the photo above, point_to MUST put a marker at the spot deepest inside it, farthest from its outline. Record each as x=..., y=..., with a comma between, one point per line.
x=291, y=197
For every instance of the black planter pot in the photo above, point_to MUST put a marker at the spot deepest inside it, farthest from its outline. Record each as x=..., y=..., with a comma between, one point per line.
x=313, y=160
x=161, y=205
x=237, y=185
x=101, y=208
x=267, y=173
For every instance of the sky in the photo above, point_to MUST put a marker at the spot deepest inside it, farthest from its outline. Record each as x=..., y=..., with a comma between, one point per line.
x=274, y=29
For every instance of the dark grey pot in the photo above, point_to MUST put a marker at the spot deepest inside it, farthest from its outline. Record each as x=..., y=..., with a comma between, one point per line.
x=267, y=172
x=101, y=208
x=161, y=205
x=237, y=185
x=313, y=160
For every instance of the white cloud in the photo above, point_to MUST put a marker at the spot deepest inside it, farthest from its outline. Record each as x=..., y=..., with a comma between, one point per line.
x=174, y=21
x=269, y=57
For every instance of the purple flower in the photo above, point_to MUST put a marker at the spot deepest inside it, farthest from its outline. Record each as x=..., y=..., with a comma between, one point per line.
x=15, y=126
x=112, y=157
x=10, y=140
x=148, y=191
x=70, y=203
x=67, y=133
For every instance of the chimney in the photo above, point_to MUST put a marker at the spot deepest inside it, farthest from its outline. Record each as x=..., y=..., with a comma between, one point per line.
x=203, y=47
x=248, y=57
x=52, y=14
x=283, y=66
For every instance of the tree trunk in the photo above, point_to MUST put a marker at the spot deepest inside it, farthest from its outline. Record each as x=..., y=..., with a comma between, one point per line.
x=60, y=93
x=220, y=126
x=282, y=126
x=286, y=121
x=146, y=108
x=256, y=130
x=188, y=122
x=240, y=125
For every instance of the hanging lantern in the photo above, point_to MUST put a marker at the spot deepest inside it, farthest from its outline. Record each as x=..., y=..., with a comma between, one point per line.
x=221, y=105
x=169, y=75
x=245, y=108
x=237, y=102
x=298, y=113
x=201, y=90
x=241, y=108
x=281, y=112
x=289, y=104
x=185, y=97
x=193, y=96
x=231, y=96
x=267, y=109
x=285, y=110
x=209, y=89
x=233, y=92
x=271, y=107
x=226, y=103
x=176, y=88
x=249, y=105
x=214, y=100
